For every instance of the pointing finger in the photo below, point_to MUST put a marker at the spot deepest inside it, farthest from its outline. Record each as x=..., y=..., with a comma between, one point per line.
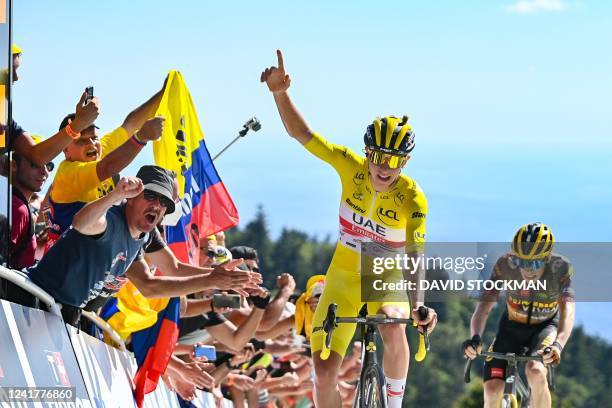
x=281, y=64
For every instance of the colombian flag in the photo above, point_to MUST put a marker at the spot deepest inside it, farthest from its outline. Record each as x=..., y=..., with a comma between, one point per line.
x=129, y=311
x=153, y=348
x=206, y=205
x=153, y=327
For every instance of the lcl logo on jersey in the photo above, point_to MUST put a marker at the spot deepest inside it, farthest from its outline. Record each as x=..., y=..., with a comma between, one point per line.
x=358, y=178
x=387, y=215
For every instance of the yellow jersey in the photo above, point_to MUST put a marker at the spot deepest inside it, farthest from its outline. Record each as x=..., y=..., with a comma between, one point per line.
x=394, y=218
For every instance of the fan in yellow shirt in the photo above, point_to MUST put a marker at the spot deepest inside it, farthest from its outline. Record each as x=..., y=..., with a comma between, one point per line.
x=92, y=164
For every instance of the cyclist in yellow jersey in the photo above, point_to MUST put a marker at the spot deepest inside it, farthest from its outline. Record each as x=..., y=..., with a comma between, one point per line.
x=378, y=204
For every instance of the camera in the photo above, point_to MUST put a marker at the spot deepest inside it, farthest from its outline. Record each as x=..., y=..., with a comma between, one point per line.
x=89, y=94
x=252, y=124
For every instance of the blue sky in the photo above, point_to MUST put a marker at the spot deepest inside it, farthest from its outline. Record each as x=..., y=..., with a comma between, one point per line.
x=510, y=100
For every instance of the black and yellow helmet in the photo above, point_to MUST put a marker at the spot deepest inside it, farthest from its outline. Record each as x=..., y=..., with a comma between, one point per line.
x=390, y=135
x=533, y=241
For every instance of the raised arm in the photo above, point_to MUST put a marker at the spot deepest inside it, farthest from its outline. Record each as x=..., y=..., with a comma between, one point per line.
x=121, y=157
x=91, y=219
x=136, y=118
x=286, y=286
x=278, y=82
x=45, y=151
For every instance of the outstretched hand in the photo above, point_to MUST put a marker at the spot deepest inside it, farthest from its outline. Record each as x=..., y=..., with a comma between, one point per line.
x=275, y=77
x=228, y=277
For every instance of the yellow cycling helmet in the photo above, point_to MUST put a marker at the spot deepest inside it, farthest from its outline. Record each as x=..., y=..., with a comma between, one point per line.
x=391, y=135
x=533, y=241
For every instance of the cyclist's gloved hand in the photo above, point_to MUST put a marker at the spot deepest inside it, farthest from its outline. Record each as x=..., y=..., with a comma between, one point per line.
x=552, y=353
x=472, y=347
x=426, y=317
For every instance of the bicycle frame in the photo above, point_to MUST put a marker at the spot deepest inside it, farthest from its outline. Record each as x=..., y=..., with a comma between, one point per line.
x=369, y=357
x=514, y=384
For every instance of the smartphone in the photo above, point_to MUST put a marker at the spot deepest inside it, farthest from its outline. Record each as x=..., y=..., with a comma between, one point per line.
x=89, y=94
x=210, y=352
x=231, y=301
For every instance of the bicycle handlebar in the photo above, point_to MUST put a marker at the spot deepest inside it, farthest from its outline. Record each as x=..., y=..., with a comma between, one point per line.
x=508, y=357
x=331, y=322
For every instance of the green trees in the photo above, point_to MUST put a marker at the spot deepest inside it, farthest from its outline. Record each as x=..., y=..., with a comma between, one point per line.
x=293, y=252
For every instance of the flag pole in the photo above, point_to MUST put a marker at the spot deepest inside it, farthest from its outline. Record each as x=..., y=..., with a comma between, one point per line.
x=251, y=124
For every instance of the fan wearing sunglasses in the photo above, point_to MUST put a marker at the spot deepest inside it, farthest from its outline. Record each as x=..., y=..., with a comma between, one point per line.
x=378, y=204
x=533, y=319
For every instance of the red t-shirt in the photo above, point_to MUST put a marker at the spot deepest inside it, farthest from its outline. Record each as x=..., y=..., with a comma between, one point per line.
x=21, y=229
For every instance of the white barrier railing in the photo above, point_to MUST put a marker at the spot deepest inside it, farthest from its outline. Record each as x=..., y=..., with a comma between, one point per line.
x=100, y=378
x=106, y=328
x=21, y=279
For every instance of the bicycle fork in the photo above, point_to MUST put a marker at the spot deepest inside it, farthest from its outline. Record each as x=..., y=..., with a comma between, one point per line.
x=371, y=368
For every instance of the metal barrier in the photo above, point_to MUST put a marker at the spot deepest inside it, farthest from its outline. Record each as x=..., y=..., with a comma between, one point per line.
x=106, y=328
x=21, y=279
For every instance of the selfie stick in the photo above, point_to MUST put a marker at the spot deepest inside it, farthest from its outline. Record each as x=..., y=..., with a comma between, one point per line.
x=251, y=124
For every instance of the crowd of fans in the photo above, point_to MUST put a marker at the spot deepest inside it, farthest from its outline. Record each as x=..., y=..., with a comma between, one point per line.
x=94, y=234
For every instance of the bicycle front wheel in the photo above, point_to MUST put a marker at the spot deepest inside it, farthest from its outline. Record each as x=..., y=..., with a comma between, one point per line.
x=373, y=393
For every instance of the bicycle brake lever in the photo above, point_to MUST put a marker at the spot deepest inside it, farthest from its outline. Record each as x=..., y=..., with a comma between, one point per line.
x=426, y=336
x=467, y=371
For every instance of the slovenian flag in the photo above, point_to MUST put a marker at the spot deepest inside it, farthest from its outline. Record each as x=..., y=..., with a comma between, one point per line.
x=206, y=205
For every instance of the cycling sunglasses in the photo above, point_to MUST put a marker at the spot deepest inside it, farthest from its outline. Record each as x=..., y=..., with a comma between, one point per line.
x=394, y=161
x=152, y=196
x=528, y=263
